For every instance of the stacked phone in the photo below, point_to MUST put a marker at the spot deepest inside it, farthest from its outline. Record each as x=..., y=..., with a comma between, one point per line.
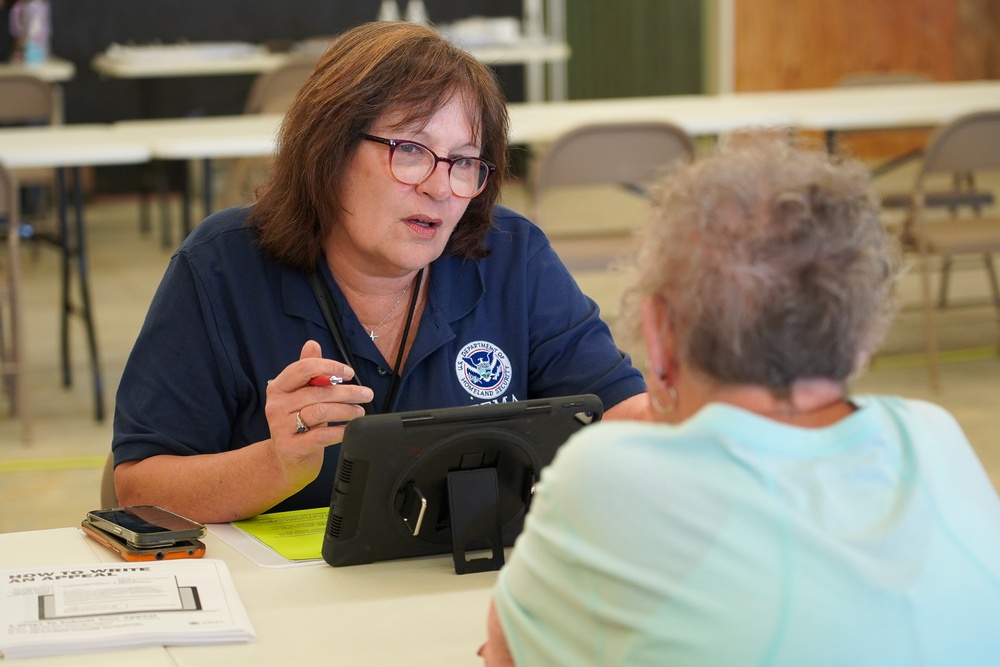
x=145, y=533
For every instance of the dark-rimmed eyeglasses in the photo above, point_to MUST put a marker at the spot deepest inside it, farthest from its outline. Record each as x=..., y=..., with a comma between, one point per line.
x=412, y=163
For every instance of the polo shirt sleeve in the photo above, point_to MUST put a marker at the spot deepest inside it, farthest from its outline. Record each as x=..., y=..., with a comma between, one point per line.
x=176, y=394
x=572, y=350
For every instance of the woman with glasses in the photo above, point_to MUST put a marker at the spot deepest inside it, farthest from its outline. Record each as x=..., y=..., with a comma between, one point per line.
x=375, y=272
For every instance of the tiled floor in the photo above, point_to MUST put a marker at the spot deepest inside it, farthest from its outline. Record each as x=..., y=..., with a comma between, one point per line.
x=53, y=481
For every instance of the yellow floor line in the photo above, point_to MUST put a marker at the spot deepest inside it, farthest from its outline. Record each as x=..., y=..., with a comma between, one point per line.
x=944, y=357
x=41, y=465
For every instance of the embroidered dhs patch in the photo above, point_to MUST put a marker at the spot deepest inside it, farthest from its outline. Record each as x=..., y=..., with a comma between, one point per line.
x=483, y=369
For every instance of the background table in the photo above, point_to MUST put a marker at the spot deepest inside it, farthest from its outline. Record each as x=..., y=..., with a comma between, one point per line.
x=826, y=109
x=829, y=109
x=533, y=53
x=407, y=612
x=204, y=140
x=124, y=68
x=63, y=147
x=53, y=70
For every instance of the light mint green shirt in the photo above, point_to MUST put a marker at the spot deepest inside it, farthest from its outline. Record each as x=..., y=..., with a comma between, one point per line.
x=735, y=540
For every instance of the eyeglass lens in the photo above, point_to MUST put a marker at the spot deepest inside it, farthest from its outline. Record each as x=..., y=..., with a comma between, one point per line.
x=412, y=163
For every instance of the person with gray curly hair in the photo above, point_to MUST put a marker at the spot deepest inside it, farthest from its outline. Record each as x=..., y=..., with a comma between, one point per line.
x=769, y=516
x=772, y=266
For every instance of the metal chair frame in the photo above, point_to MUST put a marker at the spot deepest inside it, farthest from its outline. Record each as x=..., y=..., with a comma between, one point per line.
x=28, y=100
x=271, y=92
x=24, y=100
x=968, y=144
x=629, y=154
x=11, y=320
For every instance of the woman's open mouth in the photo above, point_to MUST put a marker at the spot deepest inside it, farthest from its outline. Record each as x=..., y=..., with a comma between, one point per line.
x=422, y=224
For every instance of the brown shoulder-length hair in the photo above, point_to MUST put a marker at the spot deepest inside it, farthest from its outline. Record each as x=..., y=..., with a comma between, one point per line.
x=367, y=72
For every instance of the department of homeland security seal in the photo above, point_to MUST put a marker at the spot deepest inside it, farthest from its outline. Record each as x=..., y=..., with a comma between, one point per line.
x=483, y=369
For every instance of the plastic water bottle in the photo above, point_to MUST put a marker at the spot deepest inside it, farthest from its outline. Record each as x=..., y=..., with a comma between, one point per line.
x=31, y=25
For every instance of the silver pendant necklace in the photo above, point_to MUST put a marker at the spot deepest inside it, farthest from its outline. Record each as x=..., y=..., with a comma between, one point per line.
x=372, y=330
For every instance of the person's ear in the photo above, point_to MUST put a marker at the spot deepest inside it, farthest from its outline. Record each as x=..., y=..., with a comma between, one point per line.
x=657, y=333
x=661, y=348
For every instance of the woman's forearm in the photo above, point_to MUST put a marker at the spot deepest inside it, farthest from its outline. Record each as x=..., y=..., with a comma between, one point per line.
x=211, y=488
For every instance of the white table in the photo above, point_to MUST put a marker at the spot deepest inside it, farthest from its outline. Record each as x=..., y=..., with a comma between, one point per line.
x=533, y=53
x=204, y=139
x=247, y=135
x=124, y=68
x=409, y=612
x=53, y=70
x=834, y=110
x=827, y=109
x=63, y=147
x=699, y=115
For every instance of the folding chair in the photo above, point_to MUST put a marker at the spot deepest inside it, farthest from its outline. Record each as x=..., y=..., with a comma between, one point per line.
x=968, y=144
x=271, y=92
x=629, y=154
x=963, y=191
x=28, y=100
x=11, y=335
x=626, y=154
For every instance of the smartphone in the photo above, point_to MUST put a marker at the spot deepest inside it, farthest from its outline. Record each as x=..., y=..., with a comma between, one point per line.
x=146, y=526
x=180, y=549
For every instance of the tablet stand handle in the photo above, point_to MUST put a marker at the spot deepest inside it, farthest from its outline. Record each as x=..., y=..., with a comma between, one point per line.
x=474, y=502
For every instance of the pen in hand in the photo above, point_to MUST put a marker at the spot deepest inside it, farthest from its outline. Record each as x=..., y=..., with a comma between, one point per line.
x=325, y=380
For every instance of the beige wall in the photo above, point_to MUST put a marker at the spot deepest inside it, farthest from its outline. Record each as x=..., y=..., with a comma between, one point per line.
x=787, y=44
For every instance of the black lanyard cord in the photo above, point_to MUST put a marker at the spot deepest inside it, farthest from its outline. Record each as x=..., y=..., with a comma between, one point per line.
x=329, y=309
x=394, y=383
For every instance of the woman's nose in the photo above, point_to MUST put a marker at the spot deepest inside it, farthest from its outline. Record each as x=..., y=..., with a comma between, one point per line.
x=438, y=184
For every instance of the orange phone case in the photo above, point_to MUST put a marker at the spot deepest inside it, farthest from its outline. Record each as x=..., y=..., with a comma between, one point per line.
x=185, y=549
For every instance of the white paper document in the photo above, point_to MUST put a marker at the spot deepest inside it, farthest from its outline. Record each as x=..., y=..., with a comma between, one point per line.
x=60, y=610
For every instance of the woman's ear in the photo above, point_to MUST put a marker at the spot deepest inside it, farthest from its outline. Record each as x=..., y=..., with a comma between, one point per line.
x=657, y=333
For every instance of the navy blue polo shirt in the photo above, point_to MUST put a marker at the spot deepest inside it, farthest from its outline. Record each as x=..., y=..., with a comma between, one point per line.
x=227, y=318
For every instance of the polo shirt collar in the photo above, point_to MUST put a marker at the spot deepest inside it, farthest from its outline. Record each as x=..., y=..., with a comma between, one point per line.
x=456, y=287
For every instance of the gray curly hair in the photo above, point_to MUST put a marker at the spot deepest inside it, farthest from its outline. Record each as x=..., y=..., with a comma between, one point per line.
x=773, y=262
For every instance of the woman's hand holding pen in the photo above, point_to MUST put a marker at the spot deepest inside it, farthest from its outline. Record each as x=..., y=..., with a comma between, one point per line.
x=307, y=396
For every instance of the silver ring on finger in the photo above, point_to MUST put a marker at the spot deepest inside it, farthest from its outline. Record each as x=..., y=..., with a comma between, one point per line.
x=300, y=426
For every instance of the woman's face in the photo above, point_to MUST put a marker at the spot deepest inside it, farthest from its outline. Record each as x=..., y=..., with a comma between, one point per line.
x=391, y=229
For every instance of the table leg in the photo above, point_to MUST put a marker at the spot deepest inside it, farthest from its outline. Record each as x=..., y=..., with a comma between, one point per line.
x=64, y=261
x=86, y=308
x=73, y=246
x=163, y=190
x=186, y=204
x=831, y=141
x=558, y=85
x=534, y=82
x=13, y=374
x=207, y=185
x=207, y=203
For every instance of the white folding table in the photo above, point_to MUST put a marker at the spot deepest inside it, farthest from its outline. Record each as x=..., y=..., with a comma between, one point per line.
x=69, y=147
x=415, y=612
